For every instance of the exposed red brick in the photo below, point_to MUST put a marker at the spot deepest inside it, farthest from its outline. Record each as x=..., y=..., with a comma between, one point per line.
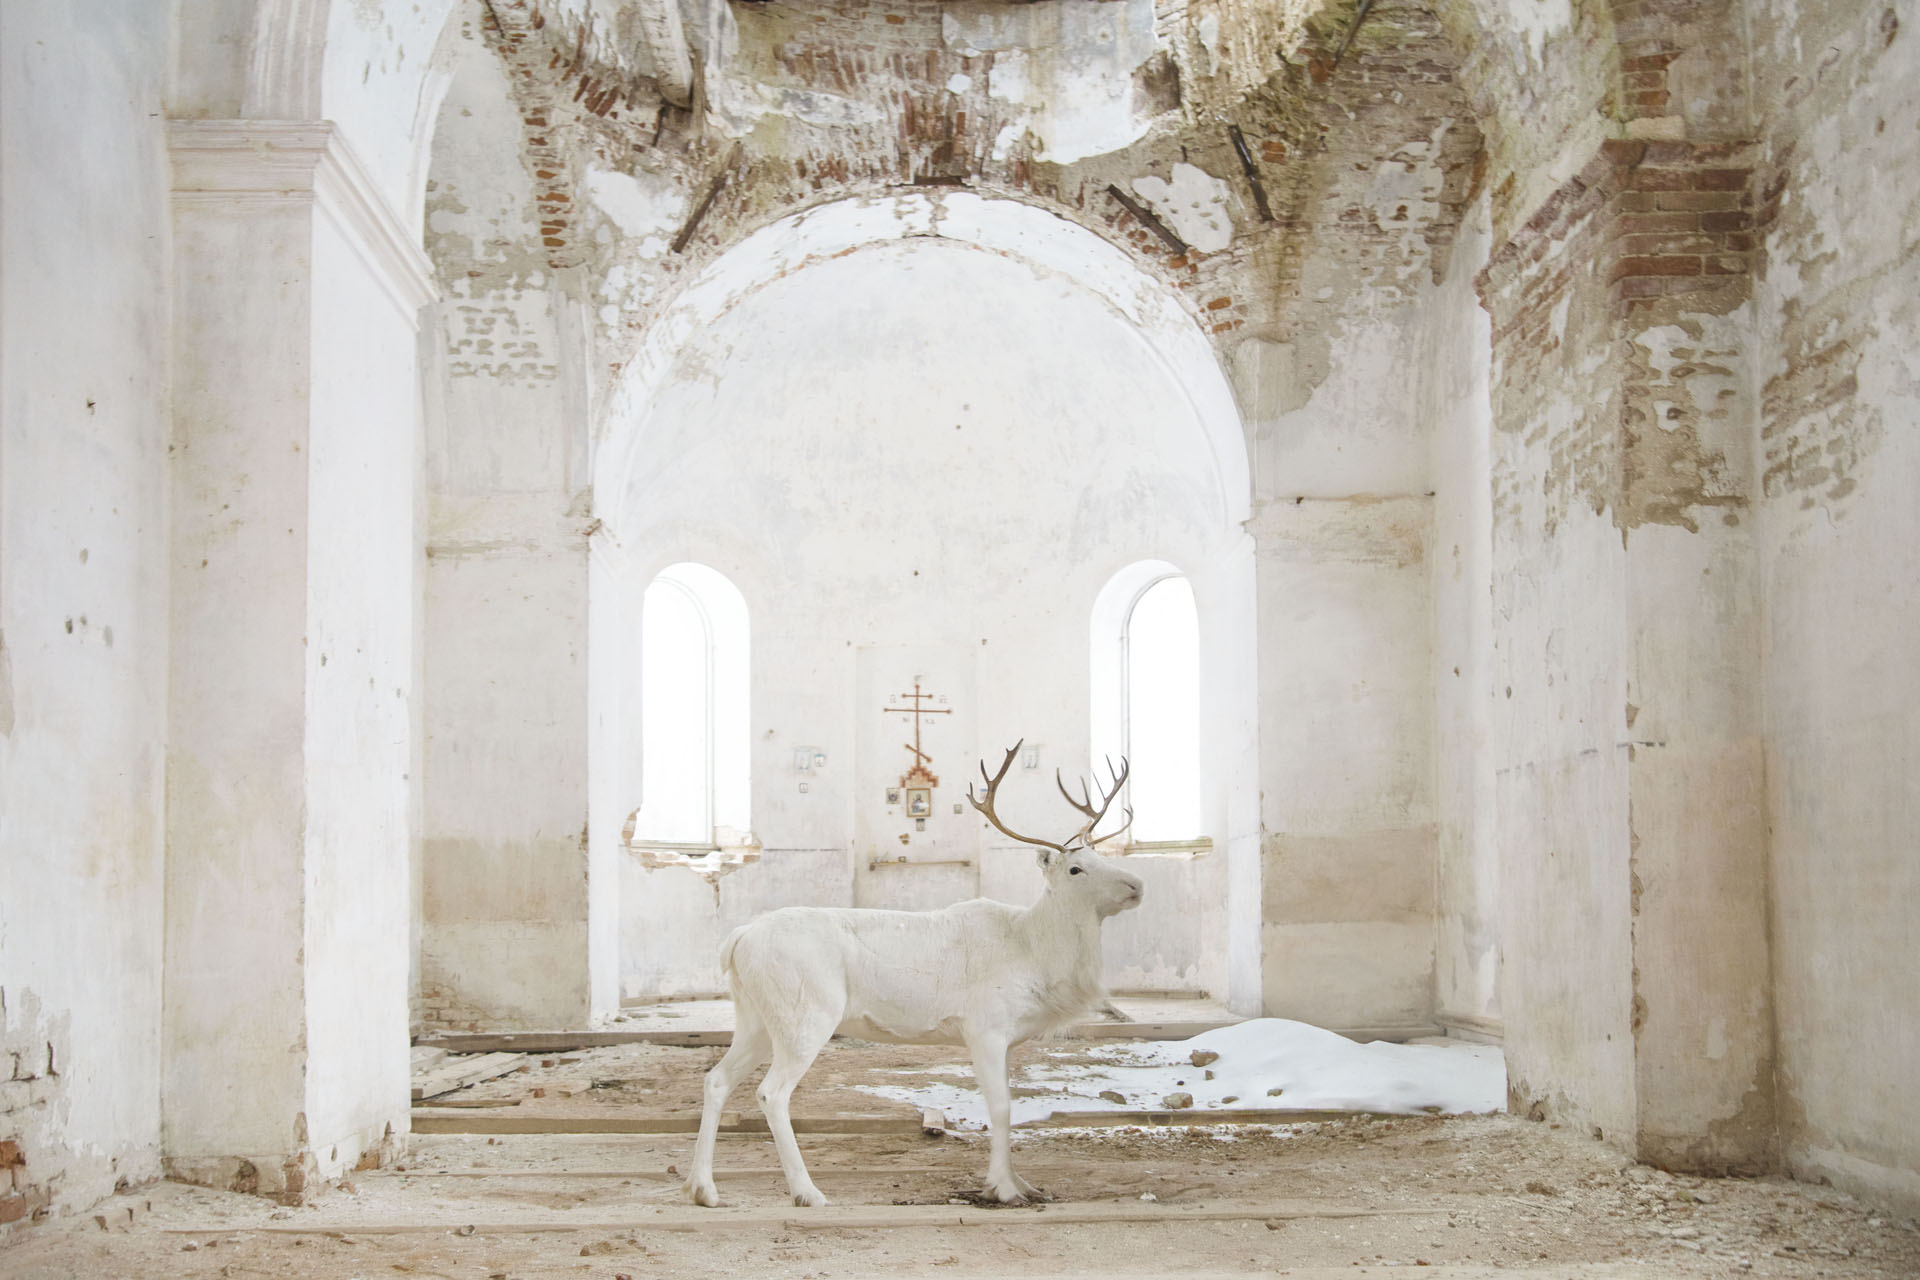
x=1704, y=201
x=1652, y=223
x=1626, y=152
x=1721, y=179
x=16, y=1207
x=1677, y=265
x=1661, y=179
x=1667, y=154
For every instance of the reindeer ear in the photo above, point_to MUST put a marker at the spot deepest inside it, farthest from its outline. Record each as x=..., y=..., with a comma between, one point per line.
x=1049, y=858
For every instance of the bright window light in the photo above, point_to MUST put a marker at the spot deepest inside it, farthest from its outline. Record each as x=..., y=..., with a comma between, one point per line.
x=693, y=709
x=1162, y=663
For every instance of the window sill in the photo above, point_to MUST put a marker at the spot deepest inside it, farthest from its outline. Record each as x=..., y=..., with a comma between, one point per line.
x=1198, y=847
x=708, y=859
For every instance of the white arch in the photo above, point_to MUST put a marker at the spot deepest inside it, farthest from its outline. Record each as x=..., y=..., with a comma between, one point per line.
x=1047, y=243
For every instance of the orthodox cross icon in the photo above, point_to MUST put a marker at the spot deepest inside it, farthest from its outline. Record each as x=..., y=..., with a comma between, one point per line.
x=919, y=777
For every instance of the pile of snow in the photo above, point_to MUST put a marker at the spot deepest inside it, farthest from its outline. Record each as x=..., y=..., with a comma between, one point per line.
x=1262, y=1064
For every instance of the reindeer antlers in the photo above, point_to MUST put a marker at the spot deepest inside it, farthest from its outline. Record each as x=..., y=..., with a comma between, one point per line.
x=986, y=806
x=1085, y=804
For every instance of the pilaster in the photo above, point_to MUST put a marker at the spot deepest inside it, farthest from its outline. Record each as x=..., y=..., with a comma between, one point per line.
x=294, y=485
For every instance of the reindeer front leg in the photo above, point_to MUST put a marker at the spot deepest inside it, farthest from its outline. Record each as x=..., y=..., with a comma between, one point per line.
x=990, y=1074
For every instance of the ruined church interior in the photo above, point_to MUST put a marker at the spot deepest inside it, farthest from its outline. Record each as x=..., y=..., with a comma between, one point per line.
x=497, y=494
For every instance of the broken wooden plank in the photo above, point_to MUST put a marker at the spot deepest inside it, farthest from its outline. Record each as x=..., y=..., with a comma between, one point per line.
x=567, y=1041
x=1146, y=219
x=714, y=188
x=1251, y=171
x=425, y=1057
x=441, y=1121
x=851, y=1218
x=1359, y=16
x=1186, y=1116
x=459, y=1073
x=1144, y=1030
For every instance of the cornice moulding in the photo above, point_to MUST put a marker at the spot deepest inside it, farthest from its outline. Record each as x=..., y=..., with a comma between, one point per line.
x=286, y=163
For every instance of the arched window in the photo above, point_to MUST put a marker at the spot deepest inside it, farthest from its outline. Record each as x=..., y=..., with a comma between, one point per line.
x=693, y=711
x=1145, y=663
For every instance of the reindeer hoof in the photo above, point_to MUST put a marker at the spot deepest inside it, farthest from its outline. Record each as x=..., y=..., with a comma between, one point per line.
x=809, y=1198
x=703, y=1194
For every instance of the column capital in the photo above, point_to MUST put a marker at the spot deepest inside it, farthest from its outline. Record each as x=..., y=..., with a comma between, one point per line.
x=235, y=164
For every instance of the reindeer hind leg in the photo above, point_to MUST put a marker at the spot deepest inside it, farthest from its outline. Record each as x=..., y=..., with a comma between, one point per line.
x=794, y=1049
x=751, y=1046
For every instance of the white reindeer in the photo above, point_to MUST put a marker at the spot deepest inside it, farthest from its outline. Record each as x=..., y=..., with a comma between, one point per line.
x=981, y=973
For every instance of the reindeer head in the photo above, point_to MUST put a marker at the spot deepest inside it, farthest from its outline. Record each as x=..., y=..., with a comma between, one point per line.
x=1074, y=867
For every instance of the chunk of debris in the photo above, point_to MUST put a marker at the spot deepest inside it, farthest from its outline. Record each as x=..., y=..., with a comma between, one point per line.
x=1177, y=1101
x=1201, y=1057
x=1114, y=1096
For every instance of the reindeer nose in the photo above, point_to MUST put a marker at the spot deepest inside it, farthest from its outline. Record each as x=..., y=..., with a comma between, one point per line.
x=1136, y=887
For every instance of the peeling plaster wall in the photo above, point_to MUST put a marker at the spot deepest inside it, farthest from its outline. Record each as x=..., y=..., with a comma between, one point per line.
x=376, y=85
x=1840, y=558
x=83, y=579
x=1368, y=165
x=1627, y=762
x=1342, y=526
x=504, y=875
x=1454, y=386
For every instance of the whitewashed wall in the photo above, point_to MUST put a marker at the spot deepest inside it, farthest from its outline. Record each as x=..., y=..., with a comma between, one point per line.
x=83, y=593
x=1838, y=463
x=1467, y=872
x=1343, y=518
x=504, y=882
x=893, y=458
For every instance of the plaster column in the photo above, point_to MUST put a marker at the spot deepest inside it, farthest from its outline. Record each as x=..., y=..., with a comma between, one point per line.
x=1629, y=774
x=295, y=474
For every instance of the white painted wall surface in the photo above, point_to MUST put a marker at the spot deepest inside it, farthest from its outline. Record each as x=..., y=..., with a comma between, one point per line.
x=83, y=582
x=1839, y=463
x=889, y=453
x=1343, y=521
x=1467, y=869
x=362, y=487
x=295, y=453
x=505, y=881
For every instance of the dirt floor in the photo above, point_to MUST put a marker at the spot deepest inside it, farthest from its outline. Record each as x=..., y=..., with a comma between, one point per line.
x=1462, y=1196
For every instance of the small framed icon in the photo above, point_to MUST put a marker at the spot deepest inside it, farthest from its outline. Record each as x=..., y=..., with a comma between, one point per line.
x=893, y=795
x=919, y=802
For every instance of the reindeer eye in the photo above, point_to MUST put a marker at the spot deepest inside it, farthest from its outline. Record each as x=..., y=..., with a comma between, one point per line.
x=1074, y=871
